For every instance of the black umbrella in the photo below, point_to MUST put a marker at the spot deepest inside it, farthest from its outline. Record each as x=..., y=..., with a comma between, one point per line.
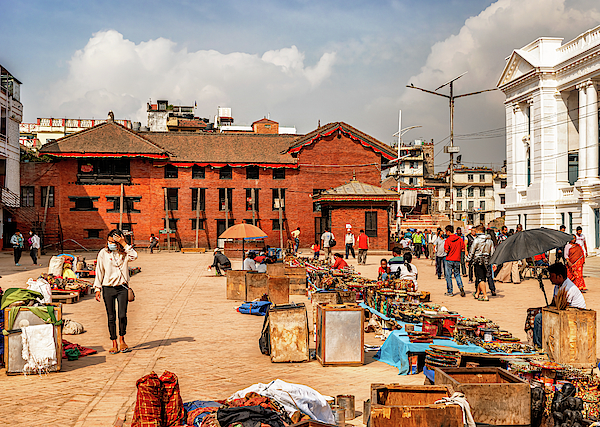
x=526, y=244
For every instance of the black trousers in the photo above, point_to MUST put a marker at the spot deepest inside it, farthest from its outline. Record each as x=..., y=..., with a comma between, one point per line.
x=112, y=295
x=17, y=254
x=225, y=267
x=33, y=255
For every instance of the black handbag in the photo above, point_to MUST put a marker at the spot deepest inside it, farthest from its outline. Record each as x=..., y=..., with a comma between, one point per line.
x=332, y=243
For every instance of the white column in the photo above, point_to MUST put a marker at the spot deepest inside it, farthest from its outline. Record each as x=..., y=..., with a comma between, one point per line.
x=592, y=130
x=582, y=132
x=562, y=139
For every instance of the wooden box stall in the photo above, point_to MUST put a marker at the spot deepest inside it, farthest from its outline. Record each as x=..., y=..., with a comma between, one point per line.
x=496, y=396
x=297, y=276
x=325, y=297
x=13, y=343
x=395, y=405
x=569, y=336
x=279, y=290
x=276, y=270
x=288, y=330
x=257, y=285
x=236, y=285
x=340, y=334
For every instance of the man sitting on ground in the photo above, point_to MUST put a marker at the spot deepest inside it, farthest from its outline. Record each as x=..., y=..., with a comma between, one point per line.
x=558, y=277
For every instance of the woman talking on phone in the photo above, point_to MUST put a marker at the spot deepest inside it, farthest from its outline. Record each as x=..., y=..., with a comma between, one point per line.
x=112, y=282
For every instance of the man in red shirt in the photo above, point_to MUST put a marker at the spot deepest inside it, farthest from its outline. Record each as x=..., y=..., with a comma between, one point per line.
x=454, y=246
x=363, y=245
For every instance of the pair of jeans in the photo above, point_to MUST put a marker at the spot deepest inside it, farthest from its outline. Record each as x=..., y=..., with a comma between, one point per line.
x=17, y=254
x=33, y=255
x=418, y=249
x=119, y=295
x=362, y=256
x=440, y=266
x=350, y=249
x=470, y=271
x=296, y=244
x=537, y=330
x=453, y=268
x=463, y=265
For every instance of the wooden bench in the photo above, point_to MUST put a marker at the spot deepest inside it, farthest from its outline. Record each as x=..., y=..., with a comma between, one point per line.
x=193, y=250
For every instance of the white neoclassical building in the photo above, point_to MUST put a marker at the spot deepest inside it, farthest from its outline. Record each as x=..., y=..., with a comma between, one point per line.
x=551, y=103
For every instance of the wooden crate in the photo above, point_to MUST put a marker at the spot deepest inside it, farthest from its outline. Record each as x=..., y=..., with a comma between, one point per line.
x=276, y=270
x=13, y=344
x=347, y=297
x=279, y=290
x=395, y=405
x=327, y=297
x=295, y=272
x=236, y=285
x=257, y=284
x=297, y=286
x=288, y=329
x=496, y=396
x=569, y=336
x=340, y=334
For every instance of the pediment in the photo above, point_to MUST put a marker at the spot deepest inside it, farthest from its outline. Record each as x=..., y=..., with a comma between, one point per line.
x=516, y=67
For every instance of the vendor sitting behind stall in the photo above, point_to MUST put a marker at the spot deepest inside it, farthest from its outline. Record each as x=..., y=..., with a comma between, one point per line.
x=395, y=262
x=68, y=271
x=408, y=271
x=339, y=262
x=558, y=277
x=249, y=263
x=384, y=270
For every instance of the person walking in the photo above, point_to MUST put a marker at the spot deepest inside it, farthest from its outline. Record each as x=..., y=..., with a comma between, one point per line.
x=469, y=242
x=580, y=238
x=453, y=246
x=220, y=261
x=17, y=243
x=363, y=247
x=112, y=284
x=463, y=266
x=153, y=242
x=296, y=237
x=326, y=239
x=440, y=254
x=479, y=254
x=417, y=239
x=575, y=257
x=431, y=238
x=350, y=241
x=560, y=252
x=34, y=246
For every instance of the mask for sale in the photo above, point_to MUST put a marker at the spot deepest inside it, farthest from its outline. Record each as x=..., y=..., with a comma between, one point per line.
x=112, y=247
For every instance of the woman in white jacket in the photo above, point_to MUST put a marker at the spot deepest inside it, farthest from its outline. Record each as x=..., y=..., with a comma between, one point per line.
x=112, y=283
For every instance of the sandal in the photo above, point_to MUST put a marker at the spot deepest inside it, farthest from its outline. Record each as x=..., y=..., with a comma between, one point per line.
x=483, y=299
x=113, y=350
x=125, y=349
x=475, y=295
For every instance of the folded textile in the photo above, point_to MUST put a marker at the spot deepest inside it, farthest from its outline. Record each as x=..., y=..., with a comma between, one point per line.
x=148, y=406
x=255, y=399
x=258, y=308
x=12, y=295
x=196, y=411
x=293, y=397
x=248, y=416
x=171, y=399
x=39, y=349
x=459, y=399
x=83, y=351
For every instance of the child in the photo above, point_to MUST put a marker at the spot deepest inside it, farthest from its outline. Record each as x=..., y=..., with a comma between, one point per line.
x=316, y=248
x=382, y=273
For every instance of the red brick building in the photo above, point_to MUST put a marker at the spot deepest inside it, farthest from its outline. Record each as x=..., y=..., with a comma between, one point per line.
x=231, y=177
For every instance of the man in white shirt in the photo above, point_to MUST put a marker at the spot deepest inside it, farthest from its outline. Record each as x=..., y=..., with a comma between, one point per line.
x=580, y=239
x=249, y=263
x=350, y=241
x=326, y=238
x=296, y=237
x=34, y=246
x=558, y=277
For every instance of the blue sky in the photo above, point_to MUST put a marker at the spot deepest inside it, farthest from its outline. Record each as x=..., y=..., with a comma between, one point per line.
x=300, y=61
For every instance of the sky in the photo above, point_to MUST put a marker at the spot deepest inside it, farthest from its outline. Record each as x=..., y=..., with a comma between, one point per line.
x=301, y=62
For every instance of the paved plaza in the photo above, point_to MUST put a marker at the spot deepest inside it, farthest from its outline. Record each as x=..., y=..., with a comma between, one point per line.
x=182, y=322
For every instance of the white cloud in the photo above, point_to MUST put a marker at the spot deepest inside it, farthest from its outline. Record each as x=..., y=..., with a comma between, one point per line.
x=480, y=48
x=113, y=73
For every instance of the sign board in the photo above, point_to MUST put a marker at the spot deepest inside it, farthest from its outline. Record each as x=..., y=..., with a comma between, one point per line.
x=449, y=149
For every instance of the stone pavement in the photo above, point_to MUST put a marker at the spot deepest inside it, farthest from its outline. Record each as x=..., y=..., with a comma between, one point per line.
x=182, y=322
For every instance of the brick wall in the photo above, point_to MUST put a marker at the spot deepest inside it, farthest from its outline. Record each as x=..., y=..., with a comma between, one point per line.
x=326, y=164
x=355, y=216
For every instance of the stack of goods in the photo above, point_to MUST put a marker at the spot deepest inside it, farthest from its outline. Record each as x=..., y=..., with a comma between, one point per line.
x=60, y=283
x=418, y=336
x=442, y=357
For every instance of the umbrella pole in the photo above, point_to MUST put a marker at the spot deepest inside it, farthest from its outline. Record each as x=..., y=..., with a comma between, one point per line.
x=542, y=287
x=244, y=254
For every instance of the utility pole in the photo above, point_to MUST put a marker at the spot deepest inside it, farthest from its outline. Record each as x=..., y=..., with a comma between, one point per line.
x=451, y=149
x=399, y=135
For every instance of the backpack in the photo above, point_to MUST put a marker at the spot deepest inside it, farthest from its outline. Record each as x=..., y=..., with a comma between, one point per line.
x=264, y=342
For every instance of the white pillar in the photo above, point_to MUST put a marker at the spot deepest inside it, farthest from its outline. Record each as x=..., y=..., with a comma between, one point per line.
x=582, y=132
x=562, y=139
x=592, y=131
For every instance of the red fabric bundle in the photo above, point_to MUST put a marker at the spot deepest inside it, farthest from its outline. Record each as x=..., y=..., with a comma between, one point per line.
x=172, y=401
x=148, y=406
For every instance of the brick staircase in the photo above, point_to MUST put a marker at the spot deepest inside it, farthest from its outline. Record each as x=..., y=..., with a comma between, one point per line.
x=422, y=222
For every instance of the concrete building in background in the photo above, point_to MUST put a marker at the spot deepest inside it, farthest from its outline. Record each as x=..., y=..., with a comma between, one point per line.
x=46, y=130
x=553, y=175
x=11, y=114
x=416, y=164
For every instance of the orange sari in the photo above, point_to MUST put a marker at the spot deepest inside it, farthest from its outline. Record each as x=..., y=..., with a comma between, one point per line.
x=575, y=270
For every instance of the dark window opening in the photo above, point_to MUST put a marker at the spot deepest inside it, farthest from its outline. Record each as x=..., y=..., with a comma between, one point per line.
x=50, y=197
x=84, y=203
x=252, y=172
x=250, y=201
x=201, y=223
x=371, y=223
x=103, y=171
x=573, y=167
x=195, y=192
x=482, y=192
x=128, y=204
x=503, y=183
x=317, y=205
x=198, y=172
x=279, y=173
x=277, y=225
x=225, y=172
x=125, y=226
x=249, y=221
x=93, y=233
x=503, y=201
x=277, y=201
x=172, y=199
x=222, y=198
x=171, y=171
x=172, y=223
x=27, y=196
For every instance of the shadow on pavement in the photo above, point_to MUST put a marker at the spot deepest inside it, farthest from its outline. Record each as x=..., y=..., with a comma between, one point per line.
x=156, y=343
x=83, y=362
